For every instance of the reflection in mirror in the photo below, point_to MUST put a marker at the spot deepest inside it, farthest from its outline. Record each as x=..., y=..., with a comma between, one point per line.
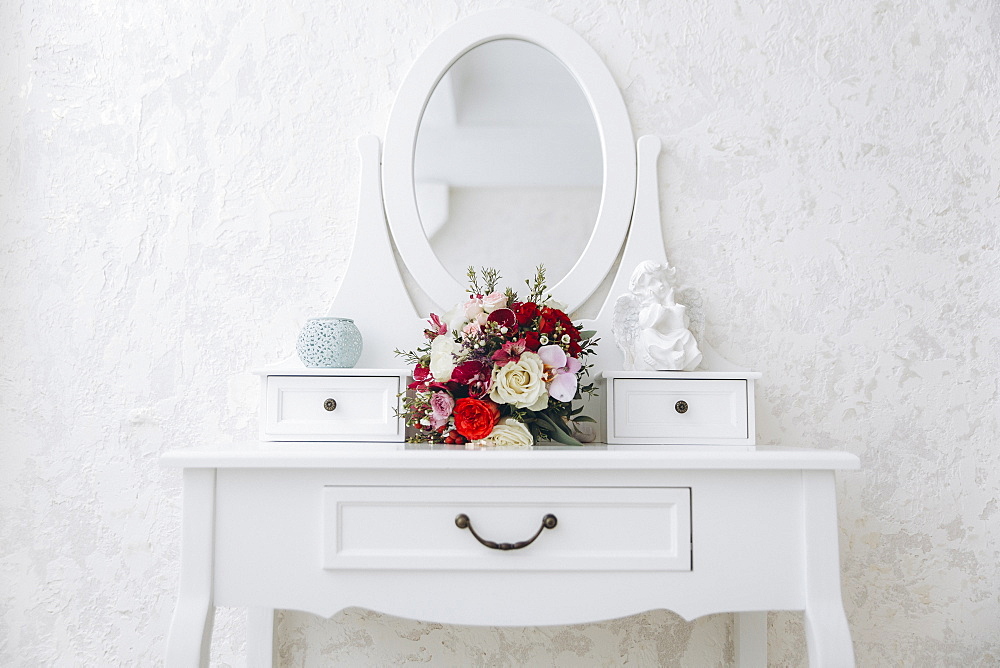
x=508, y=166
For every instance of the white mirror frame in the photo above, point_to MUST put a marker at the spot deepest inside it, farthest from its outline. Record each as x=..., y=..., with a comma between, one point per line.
x=614, y=127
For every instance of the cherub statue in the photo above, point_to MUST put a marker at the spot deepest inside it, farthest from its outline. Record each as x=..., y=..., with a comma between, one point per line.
x=651, y=328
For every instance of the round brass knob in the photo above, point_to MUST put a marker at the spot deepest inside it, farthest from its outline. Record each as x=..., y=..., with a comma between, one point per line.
x=681, y=407
x=330, y=404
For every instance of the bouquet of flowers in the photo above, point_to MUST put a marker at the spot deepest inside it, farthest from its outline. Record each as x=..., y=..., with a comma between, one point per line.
x=497, y=370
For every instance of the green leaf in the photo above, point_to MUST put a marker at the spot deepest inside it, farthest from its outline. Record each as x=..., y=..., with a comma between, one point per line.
x=584, y=418
x=559, y=435
x=588, y=334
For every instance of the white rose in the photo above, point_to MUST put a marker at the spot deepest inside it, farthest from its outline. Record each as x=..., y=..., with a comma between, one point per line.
x=521, y=384
x=443, y=348
x=508, y=433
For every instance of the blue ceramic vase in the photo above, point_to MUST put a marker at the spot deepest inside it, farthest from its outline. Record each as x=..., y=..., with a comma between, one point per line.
x=329, y=343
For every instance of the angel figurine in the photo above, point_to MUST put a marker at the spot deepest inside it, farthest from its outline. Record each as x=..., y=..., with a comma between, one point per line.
x=650, y=327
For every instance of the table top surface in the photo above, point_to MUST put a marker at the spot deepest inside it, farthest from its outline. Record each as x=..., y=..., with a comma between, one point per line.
x=355, y=455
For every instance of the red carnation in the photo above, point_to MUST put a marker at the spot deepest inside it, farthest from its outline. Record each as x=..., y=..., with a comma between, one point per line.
x=526, y=312
x=475, y=418
x=555, y=323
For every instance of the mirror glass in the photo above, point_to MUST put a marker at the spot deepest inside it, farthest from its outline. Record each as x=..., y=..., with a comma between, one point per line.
x=508, y=166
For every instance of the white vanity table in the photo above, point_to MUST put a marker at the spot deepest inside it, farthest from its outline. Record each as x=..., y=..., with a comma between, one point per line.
x=550, y=535
x=320, y=527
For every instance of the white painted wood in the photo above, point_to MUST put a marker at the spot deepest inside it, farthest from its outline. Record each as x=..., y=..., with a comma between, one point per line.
x=372, y=292
x=365, y=408
x=293, y=367
x=643, y=409
x=762, y=525
x=271, y=517
x=262, y=642
x=564, y=460
x=827, y=631
x=683, y=375
x=750, y=634
x=190, y=634
x=612, y=121
x=599, y=529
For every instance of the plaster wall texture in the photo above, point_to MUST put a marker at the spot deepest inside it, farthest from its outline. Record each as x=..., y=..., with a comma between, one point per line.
x=177, y=195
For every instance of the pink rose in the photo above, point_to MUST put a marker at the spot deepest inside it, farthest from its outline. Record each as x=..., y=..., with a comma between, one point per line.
x=442, y=405
x=493, y=301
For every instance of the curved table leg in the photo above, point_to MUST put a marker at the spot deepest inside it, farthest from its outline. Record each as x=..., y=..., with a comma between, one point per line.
x=827, y=633
x=191, y=627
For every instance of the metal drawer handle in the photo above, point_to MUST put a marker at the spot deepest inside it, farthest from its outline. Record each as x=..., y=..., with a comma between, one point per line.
x=330, y=404
x=548, y=522
x=681, y=407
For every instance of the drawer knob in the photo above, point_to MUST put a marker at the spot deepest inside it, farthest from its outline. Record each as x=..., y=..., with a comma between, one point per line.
x=681, y=406
x=330, y=404
x=548, y=522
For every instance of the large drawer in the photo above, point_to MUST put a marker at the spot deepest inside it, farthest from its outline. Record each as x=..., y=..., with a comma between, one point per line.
x=332, y=408
x=612, y=529
x=681, y=410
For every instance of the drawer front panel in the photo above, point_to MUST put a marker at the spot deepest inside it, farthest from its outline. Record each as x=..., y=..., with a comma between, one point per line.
x=611, y=529
x=647, y=408
x=364, y=406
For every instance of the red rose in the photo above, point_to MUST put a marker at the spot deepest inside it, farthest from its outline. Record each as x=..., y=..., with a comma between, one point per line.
x=526, y=312
x=475, y=418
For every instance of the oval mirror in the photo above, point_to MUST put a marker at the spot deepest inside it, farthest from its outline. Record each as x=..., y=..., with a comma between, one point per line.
x=508, y=150
x=509, y=146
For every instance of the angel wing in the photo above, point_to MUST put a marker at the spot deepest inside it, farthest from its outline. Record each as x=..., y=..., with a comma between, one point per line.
x=625, y=327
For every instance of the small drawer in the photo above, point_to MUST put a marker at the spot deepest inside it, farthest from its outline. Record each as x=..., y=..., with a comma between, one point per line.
x=332, y=408
x=691, y=411
x=599, y=529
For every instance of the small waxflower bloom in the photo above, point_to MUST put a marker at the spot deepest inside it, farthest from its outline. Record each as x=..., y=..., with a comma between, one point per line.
x=544, y=340
x=565, y=338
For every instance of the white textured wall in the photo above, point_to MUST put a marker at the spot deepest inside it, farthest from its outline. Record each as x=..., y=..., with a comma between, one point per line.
x=177, y=190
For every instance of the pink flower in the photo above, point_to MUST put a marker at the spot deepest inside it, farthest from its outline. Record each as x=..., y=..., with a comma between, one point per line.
x=509, y=352
x=562, y=370
x=493, y=301
x=442, y=405
x=473, y=307
x=437, y=327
